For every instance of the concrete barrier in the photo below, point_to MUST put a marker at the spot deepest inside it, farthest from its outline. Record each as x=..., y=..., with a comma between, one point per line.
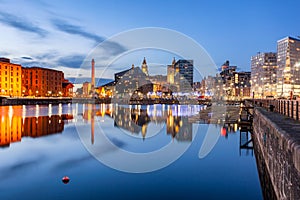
x=278, y=139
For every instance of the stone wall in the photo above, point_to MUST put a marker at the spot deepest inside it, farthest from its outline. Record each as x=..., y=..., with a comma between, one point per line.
x=278, y=140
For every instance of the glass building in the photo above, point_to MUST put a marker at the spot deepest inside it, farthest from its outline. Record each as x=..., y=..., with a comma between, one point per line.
x=288, y=61
x=263, y=75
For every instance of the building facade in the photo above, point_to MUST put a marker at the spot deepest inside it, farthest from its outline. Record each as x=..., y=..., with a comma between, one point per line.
x=288, y=61
x=145, y=67
x=42, y=82
x=184, y=73
x=10, y=78
x=132, y=83
x=264, y=75
x=180, y=74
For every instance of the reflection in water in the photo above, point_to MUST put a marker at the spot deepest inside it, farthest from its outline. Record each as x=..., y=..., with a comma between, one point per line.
x=136, y=118
x=15, y=124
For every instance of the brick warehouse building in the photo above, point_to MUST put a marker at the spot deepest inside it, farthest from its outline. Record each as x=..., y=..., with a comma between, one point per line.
x=37, y=81
x=10, y=78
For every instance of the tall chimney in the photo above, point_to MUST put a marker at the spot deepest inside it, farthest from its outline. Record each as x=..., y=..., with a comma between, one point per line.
x=93, y=77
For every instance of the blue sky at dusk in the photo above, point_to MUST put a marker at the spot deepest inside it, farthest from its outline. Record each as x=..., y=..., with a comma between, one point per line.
x=59, y=34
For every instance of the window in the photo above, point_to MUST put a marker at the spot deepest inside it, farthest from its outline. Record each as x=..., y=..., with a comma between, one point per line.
x=11, y=80
x=5, y=78
x=5, y=72
x=36, y=81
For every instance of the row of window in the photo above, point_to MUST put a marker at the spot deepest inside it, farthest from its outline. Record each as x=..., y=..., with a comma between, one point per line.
x=11, y=68
x=11, y=86
x=11, y=80
x=11, y=73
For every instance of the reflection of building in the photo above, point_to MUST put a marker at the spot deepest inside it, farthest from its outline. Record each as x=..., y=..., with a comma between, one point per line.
x=136, y=120
x=133, y=120
x=179, y=127
x=10, y=126
x=263, y=74
x=10, y=78
x=13, y=126
x=288, y=61
x=37, y=81
x=42, y=126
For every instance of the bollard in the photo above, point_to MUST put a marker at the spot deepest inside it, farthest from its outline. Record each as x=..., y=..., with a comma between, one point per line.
x=271, y=108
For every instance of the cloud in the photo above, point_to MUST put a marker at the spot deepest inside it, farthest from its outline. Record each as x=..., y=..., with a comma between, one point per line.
x=73, y=61
x=105, y=49
x=21, y=24
x=18, y=166
x=76, y=30
x=26, y=58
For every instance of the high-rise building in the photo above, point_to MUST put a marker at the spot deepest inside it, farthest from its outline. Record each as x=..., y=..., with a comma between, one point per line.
x=288, y=61
x=184, y=72
x=264, y=75
x=10, y=78
x=37, y=81
x=181, y=74
x=145, y=67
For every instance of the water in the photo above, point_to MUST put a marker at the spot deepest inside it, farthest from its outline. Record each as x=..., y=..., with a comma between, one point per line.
x=128, y=152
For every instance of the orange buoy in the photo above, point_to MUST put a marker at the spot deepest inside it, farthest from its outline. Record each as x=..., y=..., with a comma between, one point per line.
x=65, y=179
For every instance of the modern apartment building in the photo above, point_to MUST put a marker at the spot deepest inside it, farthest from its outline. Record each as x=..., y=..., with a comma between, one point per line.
x=288, y=61
x=10, y=78
x=181, y=74
x=264, y=75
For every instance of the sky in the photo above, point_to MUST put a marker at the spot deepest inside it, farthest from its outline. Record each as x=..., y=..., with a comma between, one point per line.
x=63, y=34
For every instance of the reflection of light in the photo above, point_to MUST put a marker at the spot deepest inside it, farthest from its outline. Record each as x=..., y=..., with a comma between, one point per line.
x=235, y=127
x=223, y=131
x=10, y=114
x=37, y=111
x=59, y=109
x=23, y=113
x=148, y=109
x=111, y=109
x=50, y=110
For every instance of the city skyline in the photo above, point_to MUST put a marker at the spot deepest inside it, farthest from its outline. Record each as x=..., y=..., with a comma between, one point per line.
x=60, y=35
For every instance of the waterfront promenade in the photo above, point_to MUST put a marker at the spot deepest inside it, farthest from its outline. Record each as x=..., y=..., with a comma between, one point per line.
x=276, y=134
